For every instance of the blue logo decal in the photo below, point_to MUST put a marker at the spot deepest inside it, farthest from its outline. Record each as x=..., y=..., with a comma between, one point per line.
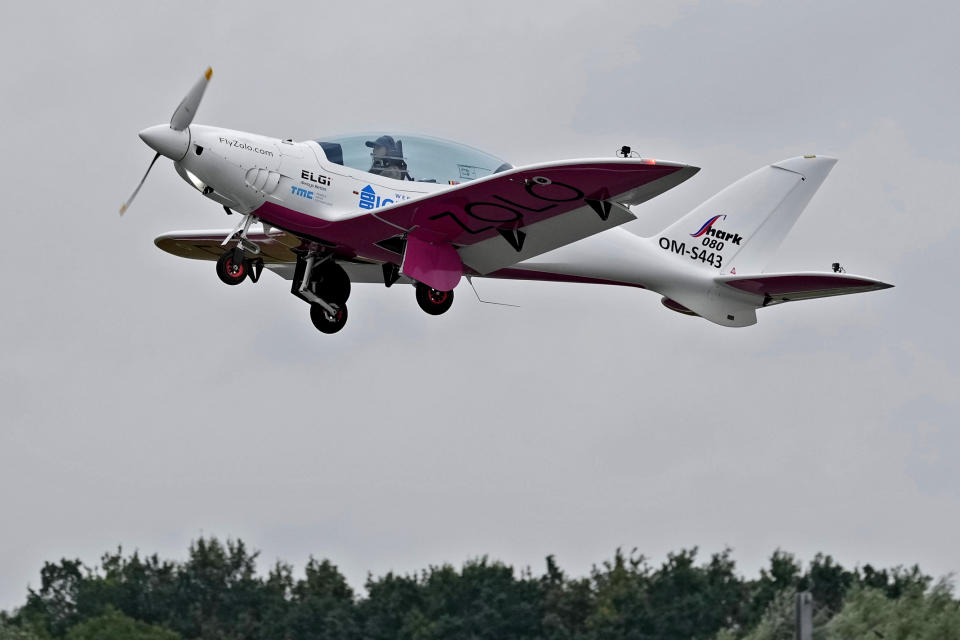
x=370, y=200
x=303, y=193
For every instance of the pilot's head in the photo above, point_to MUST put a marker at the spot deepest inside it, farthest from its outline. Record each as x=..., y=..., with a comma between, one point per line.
x=384, y=147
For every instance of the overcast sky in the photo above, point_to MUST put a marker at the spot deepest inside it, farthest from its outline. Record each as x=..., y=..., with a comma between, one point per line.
x=144, y=403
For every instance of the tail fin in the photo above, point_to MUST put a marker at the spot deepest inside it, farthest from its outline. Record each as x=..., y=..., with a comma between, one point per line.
x=740, y=228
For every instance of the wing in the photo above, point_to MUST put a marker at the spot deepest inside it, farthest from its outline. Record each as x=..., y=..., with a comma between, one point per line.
x=484, y=225
x=787, y=287
x=276, y=249
x=511, y=216
x=276, y=246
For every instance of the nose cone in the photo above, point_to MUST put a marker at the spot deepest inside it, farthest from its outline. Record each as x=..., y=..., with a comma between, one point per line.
x=166, y=141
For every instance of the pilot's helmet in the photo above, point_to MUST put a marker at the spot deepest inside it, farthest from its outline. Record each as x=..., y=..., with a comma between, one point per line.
x=385, y=147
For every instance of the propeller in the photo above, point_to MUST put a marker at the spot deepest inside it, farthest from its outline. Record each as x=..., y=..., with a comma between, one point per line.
x=137, y=190
x=183, y=116
x=167, y=141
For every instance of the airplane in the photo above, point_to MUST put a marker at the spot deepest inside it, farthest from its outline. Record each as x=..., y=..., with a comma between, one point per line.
x=389, y=208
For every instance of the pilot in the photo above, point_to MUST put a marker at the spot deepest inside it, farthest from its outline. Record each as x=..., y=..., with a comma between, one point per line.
x=388, y=158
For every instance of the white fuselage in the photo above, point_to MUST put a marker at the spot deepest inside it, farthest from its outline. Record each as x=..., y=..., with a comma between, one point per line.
x=243, y=171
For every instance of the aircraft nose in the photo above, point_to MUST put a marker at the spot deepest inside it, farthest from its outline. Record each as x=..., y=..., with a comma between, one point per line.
x=166, y=141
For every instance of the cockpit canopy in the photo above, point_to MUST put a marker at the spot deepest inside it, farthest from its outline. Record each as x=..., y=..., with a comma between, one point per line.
x=410, y=157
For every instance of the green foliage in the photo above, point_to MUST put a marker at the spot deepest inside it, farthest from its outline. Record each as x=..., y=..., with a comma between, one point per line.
x=217, y=594
x=14, y=632
x=678, y=600
x=869, y=614
x=483, y=600
x=113, y=625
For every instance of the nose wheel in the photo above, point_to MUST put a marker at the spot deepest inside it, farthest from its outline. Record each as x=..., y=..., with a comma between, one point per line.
x=433, y=301
x=233, y=268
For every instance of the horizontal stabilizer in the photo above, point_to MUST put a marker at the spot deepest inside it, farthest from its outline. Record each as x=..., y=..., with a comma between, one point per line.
x=786, y=287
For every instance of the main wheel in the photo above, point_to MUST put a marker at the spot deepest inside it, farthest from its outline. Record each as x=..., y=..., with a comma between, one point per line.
x=432, y=301
x=326, y=322
x=331, y=283
x=230, y=270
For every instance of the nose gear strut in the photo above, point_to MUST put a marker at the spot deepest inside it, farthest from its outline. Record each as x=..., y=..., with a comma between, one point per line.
x=233, y=266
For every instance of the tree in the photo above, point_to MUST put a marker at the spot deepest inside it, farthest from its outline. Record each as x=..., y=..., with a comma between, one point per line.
x=217, y=592
x=621, y=603
x=322, y=605
x=567, y=604
x=828, y=581
x=393, y=608
x=113, y=625
x=53, y=608
x=782, y=576
x=14, y=632
x=868, y=614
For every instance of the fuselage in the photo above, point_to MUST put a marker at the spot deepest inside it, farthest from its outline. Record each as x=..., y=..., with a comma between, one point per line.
x=294, y=187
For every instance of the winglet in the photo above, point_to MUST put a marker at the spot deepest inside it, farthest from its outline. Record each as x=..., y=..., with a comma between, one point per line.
x=208, y=73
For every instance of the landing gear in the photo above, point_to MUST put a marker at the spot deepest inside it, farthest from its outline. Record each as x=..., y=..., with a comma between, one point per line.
x=233, y=267
x=328, y=322
x=230, y=269
x=323, y=283
x=331, y=282
x=432, y=301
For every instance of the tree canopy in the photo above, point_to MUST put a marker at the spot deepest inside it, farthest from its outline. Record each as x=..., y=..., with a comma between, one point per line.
x=217, y=593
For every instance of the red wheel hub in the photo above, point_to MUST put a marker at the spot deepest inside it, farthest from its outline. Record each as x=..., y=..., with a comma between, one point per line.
x=234, y=270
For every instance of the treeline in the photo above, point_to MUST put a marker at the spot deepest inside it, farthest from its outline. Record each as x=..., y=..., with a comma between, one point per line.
x=217, y=594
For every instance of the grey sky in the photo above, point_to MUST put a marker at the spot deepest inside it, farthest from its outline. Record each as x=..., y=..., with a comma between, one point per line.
x=143, y=403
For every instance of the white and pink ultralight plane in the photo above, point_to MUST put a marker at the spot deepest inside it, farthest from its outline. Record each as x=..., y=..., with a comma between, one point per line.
x=388, y=208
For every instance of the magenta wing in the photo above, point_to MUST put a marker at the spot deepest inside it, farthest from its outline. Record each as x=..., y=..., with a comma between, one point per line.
x=498, y=221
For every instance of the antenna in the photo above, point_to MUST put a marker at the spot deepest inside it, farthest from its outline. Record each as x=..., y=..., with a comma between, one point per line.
x=499, y=304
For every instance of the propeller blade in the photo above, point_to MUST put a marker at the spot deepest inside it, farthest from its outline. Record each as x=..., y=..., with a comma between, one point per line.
x=126, y=204
x=183, y=116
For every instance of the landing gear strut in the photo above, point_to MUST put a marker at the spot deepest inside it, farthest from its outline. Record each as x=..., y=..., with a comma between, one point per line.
x=433, y=301
x=233, y=266
x=323, y=283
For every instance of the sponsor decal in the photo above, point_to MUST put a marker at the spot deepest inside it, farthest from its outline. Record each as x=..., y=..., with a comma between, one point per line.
x=240, y=144
x=303, y=193
x=370, y=199
x=706, y=225
x=317, y=178
x=719, y=235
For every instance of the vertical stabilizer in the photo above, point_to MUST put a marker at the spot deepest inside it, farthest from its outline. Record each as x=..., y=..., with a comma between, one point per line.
x=740, y=228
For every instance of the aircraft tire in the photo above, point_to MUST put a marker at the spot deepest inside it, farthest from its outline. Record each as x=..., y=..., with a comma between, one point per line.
x=432, y=301
x=229, y=272
x=324, y=322
x=331, y=283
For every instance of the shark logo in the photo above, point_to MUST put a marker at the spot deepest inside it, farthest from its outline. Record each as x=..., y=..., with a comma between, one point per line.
x=706, y=226
x=719, y=235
